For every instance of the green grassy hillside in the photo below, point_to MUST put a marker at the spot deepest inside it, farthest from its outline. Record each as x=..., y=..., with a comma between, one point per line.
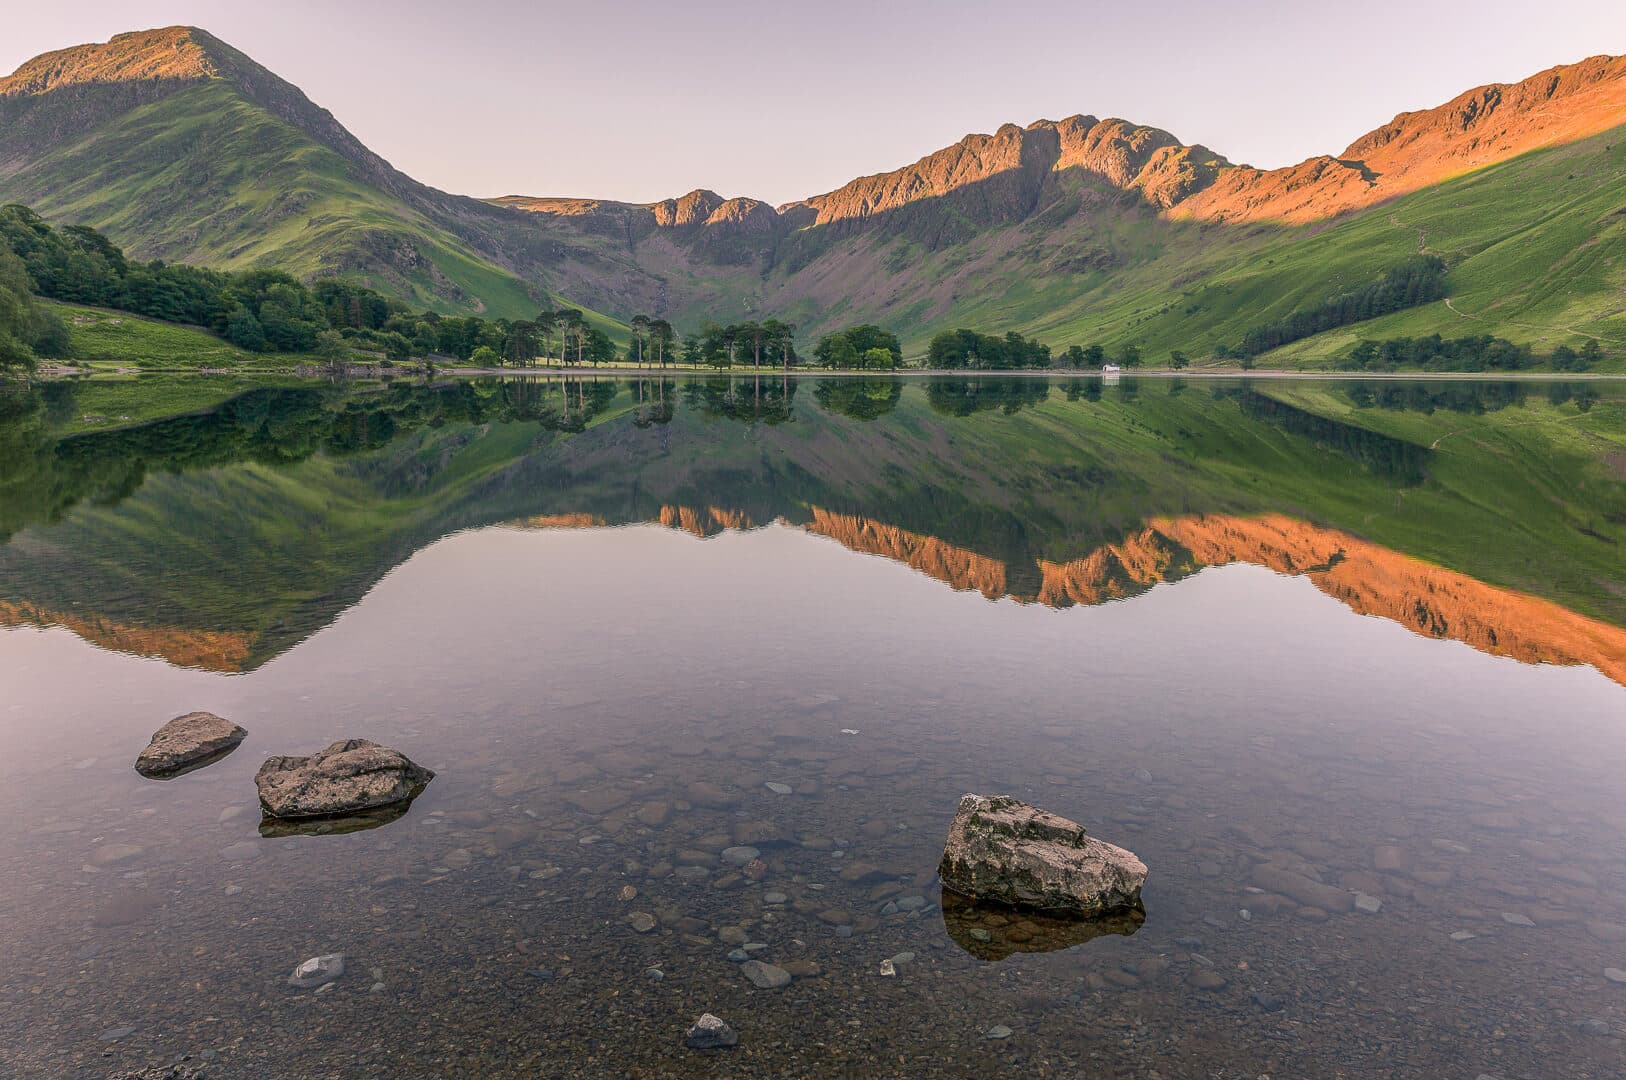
x=263, y=194
x=101, y=336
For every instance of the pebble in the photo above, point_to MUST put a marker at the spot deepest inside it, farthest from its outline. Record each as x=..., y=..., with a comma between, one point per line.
x=112, y=854
x=1515, y=919
x=1390, y=859
x=1463, y=935
x=641, y=921
x=740, y=856
x=774, y=898
x=998, y=1031
x=242, y=851
x=1207, y=979
x=1189, y=943
x=738, y=956
x=1615, y=975
x=777, y=788
x=1267, y=1002
x=710, y=1033
x=979, y=934
x=1593, y=1026
x=317, y=971
x=233, y=890
x=1368, y=903
x=765, y=976
x=888, y=968
x=654, y=974
x=112, y=1034
x=912, y=903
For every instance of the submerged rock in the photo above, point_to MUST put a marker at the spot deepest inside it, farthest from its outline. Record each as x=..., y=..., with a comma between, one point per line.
x=186, y=743
x=317, y=970
x=1001, y=849
x=347, y=777
x=765, y=976
x=710, y=1033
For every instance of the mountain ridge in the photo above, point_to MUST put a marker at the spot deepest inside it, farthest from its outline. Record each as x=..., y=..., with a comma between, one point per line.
x=181, y=147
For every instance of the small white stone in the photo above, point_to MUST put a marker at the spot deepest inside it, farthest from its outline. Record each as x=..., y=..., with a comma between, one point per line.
x=1614, y=975
x=1368, y=903
x=777, y=788
x=317, y=971
x=888, y=968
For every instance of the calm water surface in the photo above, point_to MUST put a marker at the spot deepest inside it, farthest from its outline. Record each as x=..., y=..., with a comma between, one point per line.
x=1368, y=635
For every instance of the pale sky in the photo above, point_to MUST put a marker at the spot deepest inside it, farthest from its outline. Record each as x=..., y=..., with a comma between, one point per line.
x=639, y=100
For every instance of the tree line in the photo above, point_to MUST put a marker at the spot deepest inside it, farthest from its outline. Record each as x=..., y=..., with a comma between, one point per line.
x=1416, y=281
x=963, y=349
x=264, y=311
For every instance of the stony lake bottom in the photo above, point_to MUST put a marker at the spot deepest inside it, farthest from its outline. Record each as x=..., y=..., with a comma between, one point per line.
x=1368, y=667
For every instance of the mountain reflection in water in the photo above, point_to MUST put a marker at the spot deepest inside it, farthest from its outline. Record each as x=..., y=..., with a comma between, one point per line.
x=219, y=539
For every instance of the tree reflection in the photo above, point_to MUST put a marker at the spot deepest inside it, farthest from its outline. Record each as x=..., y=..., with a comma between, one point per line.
x=964, y=397
x=859, y=398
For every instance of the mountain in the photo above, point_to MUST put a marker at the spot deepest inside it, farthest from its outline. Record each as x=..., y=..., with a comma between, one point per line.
x=182, y=148
x=1079, y=230
x=1416, y=149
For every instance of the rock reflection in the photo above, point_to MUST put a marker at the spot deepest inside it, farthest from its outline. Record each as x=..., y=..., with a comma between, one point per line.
x=992, y=932
x=189, y=767
x=274, y=827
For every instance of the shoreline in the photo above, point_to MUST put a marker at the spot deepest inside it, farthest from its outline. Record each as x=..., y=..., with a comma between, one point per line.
x=1051, y=373
x=622, y=371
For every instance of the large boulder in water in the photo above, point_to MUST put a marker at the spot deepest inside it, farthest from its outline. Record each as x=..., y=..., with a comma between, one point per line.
x=1001, y=849
x=186, y=743
x=347, y=777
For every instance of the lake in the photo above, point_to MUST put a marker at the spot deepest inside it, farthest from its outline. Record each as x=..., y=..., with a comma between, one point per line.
x=1365, y=636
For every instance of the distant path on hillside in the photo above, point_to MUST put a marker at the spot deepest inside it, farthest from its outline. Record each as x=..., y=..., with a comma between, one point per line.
x=1449, y=302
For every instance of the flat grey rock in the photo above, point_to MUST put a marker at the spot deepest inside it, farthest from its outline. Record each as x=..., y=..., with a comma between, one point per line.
x=186, y=743
x=347, y=777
